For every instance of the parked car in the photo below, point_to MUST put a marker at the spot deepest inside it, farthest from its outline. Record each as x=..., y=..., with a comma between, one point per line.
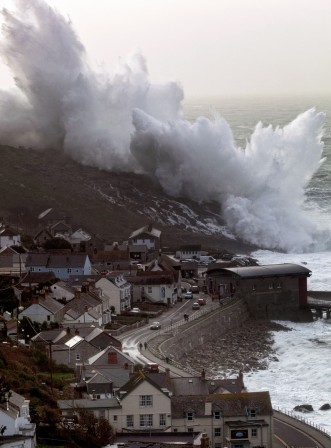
x=135, y=310
x=155, y=326
x=151, y=367
x=194, y=289
x=188, y=295
x=201, y=301
x=195, y=306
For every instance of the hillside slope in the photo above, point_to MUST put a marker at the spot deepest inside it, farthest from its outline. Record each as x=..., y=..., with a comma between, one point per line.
x=110, y=205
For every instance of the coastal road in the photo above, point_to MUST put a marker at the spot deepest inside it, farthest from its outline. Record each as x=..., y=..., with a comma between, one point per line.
x=290, y=435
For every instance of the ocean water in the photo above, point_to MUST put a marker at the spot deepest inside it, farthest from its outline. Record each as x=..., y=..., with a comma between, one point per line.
x=301, y=373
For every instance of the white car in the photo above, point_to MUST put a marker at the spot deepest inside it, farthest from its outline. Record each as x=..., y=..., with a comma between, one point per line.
x=155, y=326
x=135, y=310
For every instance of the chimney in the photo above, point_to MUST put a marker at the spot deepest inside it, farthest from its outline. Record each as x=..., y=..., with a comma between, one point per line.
x=77, y=294
x=68, y=330
x=167, y=372
x=203, y=374
x=76, y=331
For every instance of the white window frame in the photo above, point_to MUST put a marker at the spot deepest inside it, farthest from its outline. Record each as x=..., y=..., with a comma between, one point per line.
x=146, y=401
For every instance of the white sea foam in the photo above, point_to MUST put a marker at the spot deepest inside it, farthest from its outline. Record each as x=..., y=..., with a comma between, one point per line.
x=122, y=121
x=301, y=373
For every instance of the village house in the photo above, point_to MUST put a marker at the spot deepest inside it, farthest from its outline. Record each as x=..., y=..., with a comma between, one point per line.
x=9, y=237
x=12, y=262
x=158, y=283
x=115, y=291
x=63, y=265
x=42, y=236
x=148, y=236
x=18, y=431
x=86, y=307
x=236, y=420
x=62, y=291
x=189, y=251
x=111, y=362
x=43, y=309
x=270, y=291
x=154, y=287
x=80, y=240
x=75, y=350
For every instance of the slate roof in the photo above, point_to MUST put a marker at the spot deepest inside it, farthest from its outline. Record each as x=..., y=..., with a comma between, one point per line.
x=139, y=378
x=230, y=405
x=149, y=230
x=67, y=260
x=110, y=403
x=196, y=385
x=35, y=278
x=50, y=304
x=271, y=270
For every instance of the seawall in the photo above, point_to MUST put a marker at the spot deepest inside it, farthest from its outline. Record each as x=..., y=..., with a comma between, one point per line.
x=200, y=331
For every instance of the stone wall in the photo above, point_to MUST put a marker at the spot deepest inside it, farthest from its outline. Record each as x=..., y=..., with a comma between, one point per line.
x=199, y=332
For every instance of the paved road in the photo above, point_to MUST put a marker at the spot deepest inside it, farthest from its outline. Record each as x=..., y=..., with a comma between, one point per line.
x=295, y=437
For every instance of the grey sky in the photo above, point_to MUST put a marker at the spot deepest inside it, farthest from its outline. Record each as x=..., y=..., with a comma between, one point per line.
x=224, y=47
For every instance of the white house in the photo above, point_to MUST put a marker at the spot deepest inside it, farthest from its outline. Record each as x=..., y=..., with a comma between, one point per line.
x=8, y=237
x=148, y=236
x=44, y=309
x=15, y=420
x=115, y=291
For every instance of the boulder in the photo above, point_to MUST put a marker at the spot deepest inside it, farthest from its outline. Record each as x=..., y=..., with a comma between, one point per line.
x=325, y=407
x=303, y=408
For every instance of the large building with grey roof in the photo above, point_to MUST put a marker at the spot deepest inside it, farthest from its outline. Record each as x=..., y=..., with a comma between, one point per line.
x=277, y=291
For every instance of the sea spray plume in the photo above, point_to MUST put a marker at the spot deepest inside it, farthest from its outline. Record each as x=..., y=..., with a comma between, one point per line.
x=45, y=57
x=271, y=213
x=99, y=113
x=61, y=102
x=260, y=189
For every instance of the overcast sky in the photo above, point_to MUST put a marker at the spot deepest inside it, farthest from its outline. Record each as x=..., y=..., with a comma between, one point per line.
x=224, y=47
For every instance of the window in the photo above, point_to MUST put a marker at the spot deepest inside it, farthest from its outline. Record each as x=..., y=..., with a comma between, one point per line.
x=217, y=432
x=271, y=286
x=190, y=416
x=129, y=421
x=115, y=418
x=149, y=289
x=254, y=287
x=175, y=430
x=279, y=285
x=254, y=432
x=189, y=429
x=146, y=401
x=251, y=413
x=162, y=420
x=102, y=413
x=217, y=415
x=69, y=270
x=146, y=420
x=77, y=356
x=48, y=317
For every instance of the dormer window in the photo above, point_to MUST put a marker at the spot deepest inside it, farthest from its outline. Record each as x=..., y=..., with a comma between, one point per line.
x=217, y=415
x=190, y=416
x=251, y=412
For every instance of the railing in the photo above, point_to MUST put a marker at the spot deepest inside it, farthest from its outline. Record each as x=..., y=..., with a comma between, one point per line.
x=304, y=420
